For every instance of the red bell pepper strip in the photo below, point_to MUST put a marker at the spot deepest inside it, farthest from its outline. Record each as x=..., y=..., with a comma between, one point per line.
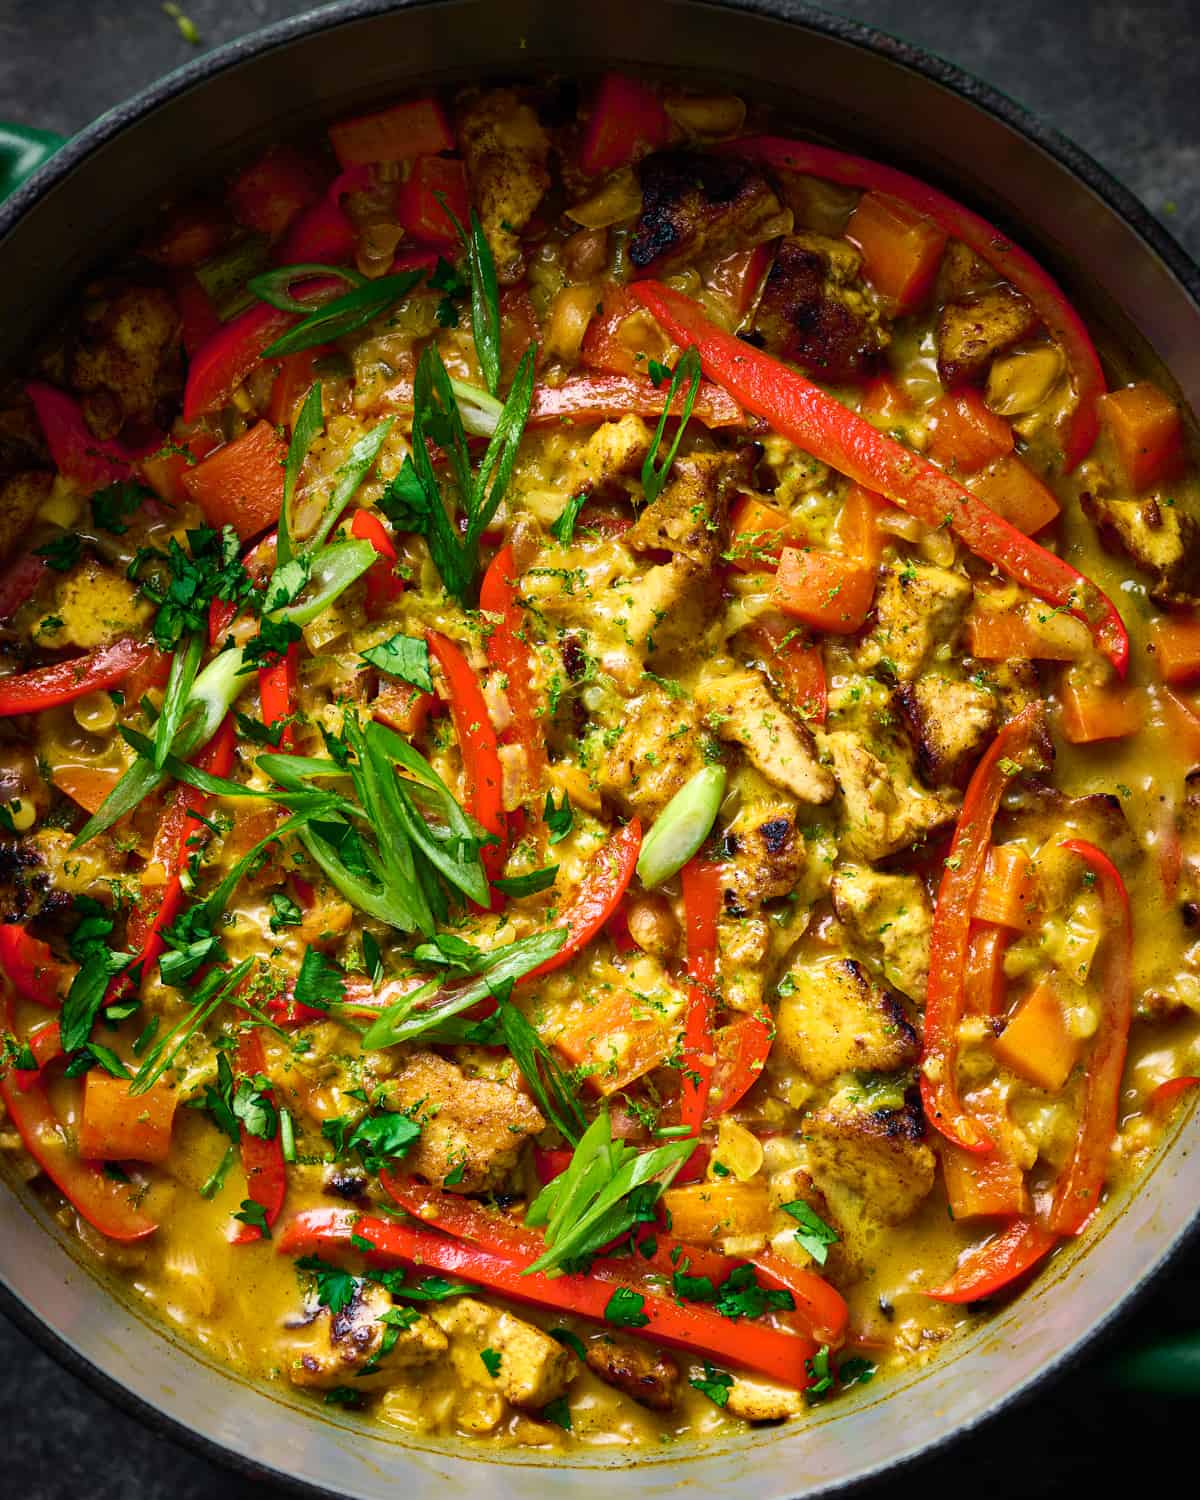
x=1015, y=265
x=601, y=398
x=820, y=1307
x=746, y=1345
x=45, y=1042
x=951, y=932
x=1081, y=1182
x=627, y=119
x=1166, y=1094
x=262, y=1160
x=742, y=1050
x=987, y=1269
x=384, y=584
x=19, y=582
x=107, y=1205
x=508, y=651
x=87, y=460
x=277, y=693
x=598, y=897
x=701, y=880
x=48, y=687
x=822, y=426
x=477, y=745
x=31, y=968
x=296, y=375
x=198, y=317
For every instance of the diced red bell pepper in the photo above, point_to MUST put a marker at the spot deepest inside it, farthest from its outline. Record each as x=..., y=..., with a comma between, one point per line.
x=384, y=584
x=985, y=1270
x=224, y=361
x=603, y=398
x=478, y=746
x=508, y=651
x=418, y=206
x=626, y=121
x=884, y=403
x=48, y=687
x=1147, y=432
x=585, y=914
x=31, y=968
x=262, y=1160
x=827, y=591
x=618, y=335
x=812, y=419
x=241, y=484
x=757, y=533
x=742, y=1049
x=77, y=455
x=198, y=317
x=267, y=195
x=321, y=235
x=19, y=582
x=795, y=664
x=296, y=375
x=417, y=127
x=701, y=880
x=163, y=470
x=277, y=693
x=858, y=529
x=965, y=434
x=1081, y=424
x=901, y=249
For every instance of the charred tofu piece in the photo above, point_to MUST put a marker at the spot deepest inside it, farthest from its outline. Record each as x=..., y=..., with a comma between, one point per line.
x=647, y=1374
x=688, y=518
x=472, y=1124
x=753, y=1398
x=889, y=921
x=128, y=361
x=695, y=204
x=1163, y=540
x=533, y=1368
x=767, y=856
x=833, y=1020
x=949, y=722
x=884, y=809
x=972, y=332
x=918, y=607
x=879, y=1154
x=506, y=152
x=813, y=310
x=658, y=749
x=741, y=710
x=21, y=497
x=328, y=1348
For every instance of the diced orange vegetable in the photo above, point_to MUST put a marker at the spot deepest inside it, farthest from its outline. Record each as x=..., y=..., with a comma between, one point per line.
x=296, y=374
x=1147, y=432
x=119, y=1126
x=1091, y=712
x=402, y=707
x=1013, y=490
x=619, y=1039
x=965, y=435
x=1183, y=722
x=884, y=403
x=269, y=193
x=419, y=200
x=1007, y=893
x=1007, y=634
x=984, y=988
x=1177, y=649
x=86, y=785
x=827, y=591
x=706, y=1212
x=757, y=533
x=901, y=249
x=416, y=128
x=241, y=485
x=191, y=235
x=1036, y=1043
x=858, y=530
x=978, y=1186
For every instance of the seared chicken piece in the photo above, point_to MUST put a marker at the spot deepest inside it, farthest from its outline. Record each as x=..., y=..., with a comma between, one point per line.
x=880, y=1155
x=648, y=1375
x=813, y=310
x=328, y=1348
x=834, y=1020
x=949, y=722
x=506, y=152
x=918, y=607
x=889, y=919
x=972, y=332
x=696, y=204
x=741, y=709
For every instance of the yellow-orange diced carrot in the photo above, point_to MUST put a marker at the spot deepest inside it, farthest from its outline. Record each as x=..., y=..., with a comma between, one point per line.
x=977, y=1186
x=1036, y=1043
x=901, y=249
x=1147, y=433
x=1177, y=650
x=757, y=532
x=825, y=590
x=1007, y=894
x=1092, y=712
x=619, y=1039
x=704, y=1213
x=858, y=530
x=119, y=1126
x=1013, y=490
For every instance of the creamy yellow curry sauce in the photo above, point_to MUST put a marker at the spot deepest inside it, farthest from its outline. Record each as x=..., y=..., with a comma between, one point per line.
x=598, y=841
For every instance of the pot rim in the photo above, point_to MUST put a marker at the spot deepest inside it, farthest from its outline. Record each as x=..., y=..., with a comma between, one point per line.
x=930, y=67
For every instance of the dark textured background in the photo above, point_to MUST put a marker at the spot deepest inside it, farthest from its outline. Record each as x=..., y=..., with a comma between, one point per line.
x=1123, y=80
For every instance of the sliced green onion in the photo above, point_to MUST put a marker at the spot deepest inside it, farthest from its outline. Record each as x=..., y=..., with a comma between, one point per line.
x=334, y=569
x=287, y=1135
x=275, y=286
x=344, y=314
x=682, y=826
x=480, y=411
x=184, y=666
x=225, y=276
x=655, y=476
x=349, y=477
x=308, y=424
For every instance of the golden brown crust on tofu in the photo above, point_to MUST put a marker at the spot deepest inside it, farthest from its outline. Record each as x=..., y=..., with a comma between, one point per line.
x=21, y=497
x=469, y=1123
x=506, y=152
x=753, y=1398
x=688, y=518
x=660, y=746
x=1164, y=540
x=766, y=856
x=889, y=920
x=695, y=204
x=740, y=708
x=949, y=722
x=883, y=809
x=971, y=332
x=881, y=1155
x=814, y=311
x=330, y=1348
x=533, y=1368
x=835, y=1020
x=648, y=1375
x=128, y=361
x=918, y=607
